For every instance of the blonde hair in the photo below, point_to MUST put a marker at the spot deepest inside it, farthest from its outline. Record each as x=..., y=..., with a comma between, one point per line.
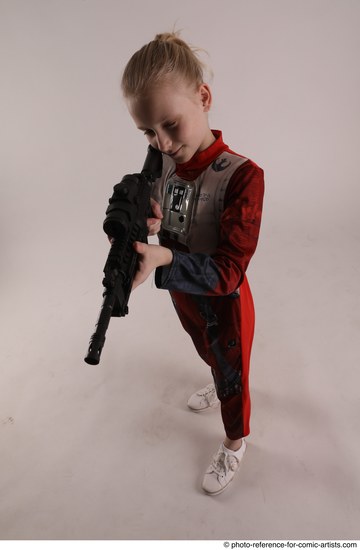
x=166, y=55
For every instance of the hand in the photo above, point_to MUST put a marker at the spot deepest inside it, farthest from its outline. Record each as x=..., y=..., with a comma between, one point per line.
x=154, y=223
x=151, y=256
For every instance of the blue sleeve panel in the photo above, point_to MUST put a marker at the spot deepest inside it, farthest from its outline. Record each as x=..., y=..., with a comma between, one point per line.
x=190, y=273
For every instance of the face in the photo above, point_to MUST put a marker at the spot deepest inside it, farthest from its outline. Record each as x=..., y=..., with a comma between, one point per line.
x=174, y=119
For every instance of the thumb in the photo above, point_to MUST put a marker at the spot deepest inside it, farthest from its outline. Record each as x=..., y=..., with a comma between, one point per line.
x=139, y=247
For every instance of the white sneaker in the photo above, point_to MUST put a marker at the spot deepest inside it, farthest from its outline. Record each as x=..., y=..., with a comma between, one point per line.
x=222, y=470
x=203, y=399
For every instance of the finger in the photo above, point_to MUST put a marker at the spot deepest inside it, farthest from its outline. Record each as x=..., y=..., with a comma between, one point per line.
x=156, y=208
x=154, y=230
x=153, y=225
x=153, y=221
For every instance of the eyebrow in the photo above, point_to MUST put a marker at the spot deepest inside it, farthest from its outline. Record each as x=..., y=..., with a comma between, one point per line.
x=164, y=121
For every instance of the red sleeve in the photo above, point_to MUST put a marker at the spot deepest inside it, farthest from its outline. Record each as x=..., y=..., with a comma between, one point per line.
x=239, y=226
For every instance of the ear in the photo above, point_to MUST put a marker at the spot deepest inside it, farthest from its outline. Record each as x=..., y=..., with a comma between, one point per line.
x=206, y=97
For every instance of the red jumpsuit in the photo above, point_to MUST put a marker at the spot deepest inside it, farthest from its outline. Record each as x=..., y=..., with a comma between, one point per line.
x=212, y=211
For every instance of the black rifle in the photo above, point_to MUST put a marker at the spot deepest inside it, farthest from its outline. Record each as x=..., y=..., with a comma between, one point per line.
x=125, y=223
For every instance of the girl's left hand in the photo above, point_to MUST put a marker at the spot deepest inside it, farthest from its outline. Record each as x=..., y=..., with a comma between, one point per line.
x=151, y=256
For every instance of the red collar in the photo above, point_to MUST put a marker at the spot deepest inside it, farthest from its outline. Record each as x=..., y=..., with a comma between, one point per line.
x=197, y=164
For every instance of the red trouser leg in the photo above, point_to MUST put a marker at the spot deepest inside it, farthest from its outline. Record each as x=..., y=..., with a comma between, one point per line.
x=229, y=344
x=236, y=410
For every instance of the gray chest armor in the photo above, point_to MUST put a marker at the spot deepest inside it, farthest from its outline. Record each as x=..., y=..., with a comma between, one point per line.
x=192, y=209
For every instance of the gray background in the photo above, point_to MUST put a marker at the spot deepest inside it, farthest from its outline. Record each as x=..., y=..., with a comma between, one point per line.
x=111, y=452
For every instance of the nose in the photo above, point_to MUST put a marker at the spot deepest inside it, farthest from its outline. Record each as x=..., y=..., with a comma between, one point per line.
x=164, y=143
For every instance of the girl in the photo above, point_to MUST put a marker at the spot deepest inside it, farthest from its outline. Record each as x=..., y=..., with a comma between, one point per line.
x=207, y=210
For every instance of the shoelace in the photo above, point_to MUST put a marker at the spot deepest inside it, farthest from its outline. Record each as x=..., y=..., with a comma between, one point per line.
x=224, y=462
x=208, y=393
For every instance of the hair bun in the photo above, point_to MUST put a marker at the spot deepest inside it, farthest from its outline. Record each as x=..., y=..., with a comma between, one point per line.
x=166, y=55
x=171, y=37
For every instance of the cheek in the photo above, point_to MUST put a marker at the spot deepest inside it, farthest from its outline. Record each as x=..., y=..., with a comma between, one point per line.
x=185, y=133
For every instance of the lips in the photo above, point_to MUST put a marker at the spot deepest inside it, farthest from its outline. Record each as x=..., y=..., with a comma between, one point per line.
x=173, y=155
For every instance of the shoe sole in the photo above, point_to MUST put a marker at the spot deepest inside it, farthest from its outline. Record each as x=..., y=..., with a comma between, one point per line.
x=220, y=491
x=205, y=408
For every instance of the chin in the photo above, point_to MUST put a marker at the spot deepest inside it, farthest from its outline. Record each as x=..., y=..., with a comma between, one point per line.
x=185, y=157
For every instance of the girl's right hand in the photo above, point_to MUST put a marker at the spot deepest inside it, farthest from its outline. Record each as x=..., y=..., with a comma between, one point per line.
x=154, y=224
